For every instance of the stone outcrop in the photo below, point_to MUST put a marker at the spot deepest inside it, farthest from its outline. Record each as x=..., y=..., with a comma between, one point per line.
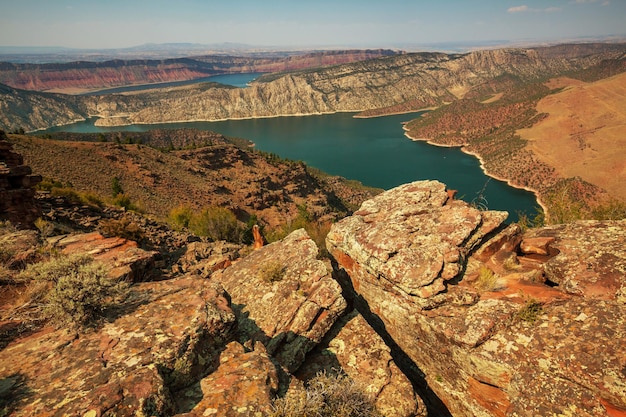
x=17, y=195
x=501, y=322
x=167, y=336
x=123, y=258
x=284, y=297
x=362, y=355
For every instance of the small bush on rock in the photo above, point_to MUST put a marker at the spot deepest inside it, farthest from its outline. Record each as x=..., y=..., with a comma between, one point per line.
x=530, y=311
x=327, y=396
x=487, y=280
x=272, y=271
x=124, y=227
x=81, y=289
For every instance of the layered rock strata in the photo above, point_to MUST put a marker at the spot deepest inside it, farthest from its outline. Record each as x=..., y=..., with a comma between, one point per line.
x=17, y=195
x=501, y=322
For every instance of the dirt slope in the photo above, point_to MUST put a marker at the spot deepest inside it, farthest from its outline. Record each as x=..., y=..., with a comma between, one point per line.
x=585, y=132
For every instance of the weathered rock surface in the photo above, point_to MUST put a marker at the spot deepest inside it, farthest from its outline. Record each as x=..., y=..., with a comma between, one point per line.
x=497, y=327
x=17, y=195
x=283, y=297
x=123, y=257
x=243, y=384
x=166, y=336
x=360, y=352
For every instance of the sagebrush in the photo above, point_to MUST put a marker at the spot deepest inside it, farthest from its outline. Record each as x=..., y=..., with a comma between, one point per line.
x=327, y=395
x=80, y=289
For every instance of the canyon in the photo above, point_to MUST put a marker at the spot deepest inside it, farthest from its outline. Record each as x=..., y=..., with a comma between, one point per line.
x=427, y=304
x=83, y=76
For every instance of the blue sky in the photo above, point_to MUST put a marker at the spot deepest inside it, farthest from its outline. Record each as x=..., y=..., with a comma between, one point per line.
x=363, y=23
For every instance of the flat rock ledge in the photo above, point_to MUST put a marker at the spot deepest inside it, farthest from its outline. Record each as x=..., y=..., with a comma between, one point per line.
x=501, y=322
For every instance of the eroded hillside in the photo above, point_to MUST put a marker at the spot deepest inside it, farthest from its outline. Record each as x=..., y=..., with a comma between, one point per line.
x=390, y=84
x=193, y=168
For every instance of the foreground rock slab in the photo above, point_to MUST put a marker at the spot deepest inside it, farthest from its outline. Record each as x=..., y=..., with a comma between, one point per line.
x=168, y=335
x=499, y=327
x=284, y=297
x=123, y=257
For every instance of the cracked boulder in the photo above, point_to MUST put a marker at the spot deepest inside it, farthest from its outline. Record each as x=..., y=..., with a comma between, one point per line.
x=284, y=297
x=362, y=355
x=501, y=322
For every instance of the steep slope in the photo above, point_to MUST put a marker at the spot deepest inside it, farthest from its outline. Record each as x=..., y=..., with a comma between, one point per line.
x=390, y=84
x=20, y=109
x=583, y=133
x=425, y=79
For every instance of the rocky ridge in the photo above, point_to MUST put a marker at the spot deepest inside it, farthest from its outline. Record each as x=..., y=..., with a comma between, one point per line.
x=433, y=306
x=502, y=322
x=96, y=75
x=424, y=79
x=203, y=169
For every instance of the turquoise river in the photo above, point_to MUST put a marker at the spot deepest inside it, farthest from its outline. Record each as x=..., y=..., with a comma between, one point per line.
x=374, y=151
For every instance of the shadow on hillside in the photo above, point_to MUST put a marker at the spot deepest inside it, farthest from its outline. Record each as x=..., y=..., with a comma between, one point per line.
x=434, y=405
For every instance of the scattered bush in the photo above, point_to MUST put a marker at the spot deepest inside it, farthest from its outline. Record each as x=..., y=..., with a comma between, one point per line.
x=116, y=187
x=217, y=223
x=180, y=217
x=45, y=227
x=81, y=290
x=272, y=271
x=124, y=201
x=124, y=227
x=530, y=311
x=327, y=396
x=487, y=280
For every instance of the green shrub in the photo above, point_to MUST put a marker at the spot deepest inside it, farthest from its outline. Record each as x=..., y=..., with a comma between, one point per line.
x=47, y=184
x=272, y=271
x=530, y=311
x=327, y=396
x=217, y=223
x=124, y=227
x=116, y=187
x=124, y=201
x=180, y=217
x=487, y=280
x=81, y=289
x=45, y=227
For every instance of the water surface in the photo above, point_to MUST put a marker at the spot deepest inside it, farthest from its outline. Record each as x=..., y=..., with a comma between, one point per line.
x=236, y=80
x=374, y=151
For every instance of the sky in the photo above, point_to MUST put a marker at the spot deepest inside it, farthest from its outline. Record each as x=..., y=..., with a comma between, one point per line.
x=98, y=24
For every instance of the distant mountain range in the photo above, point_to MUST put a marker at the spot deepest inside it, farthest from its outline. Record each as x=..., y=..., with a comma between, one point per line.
x=55, y=54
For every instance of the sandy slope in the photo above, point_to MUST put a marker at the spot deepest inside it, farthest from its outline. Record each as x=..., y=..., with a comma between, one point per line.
x=585, y=132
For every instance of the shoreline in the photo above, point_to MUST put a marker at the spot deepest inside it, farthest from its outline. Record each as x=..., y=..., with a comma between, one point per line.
x=463, y=149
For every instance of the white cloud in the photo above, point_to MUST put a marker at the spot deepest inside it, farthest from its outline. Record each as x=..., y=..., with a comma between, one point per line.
x=523, y=8
x=518, y=9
